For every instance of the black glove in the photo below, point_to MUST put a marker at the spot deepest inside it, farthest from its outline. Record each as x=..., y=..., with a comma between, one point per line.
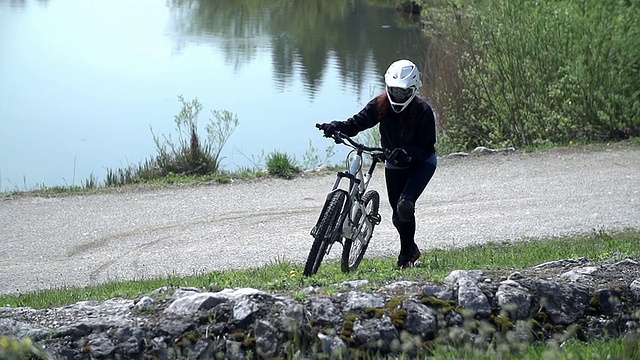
x=328, y=129
x=399, y=157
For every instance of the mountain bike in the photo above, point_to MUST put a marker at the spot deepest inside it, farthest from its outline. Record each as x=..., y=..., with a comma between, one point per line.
x=350, y=211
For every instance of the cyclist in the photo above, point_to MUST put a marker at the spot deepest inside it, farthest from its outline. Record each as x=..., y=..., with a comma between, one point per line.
x=407, y=131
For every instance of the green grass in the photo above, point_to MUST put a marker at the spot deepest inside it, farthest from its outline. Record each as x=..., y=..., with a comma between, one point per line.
x=282, y=276
x=627, y=347
x=282, y=165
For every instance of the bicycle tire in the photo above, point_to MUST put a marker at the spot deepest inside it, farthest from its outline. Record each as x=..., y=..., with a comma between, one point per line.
x=352, y=255
x=327, y=223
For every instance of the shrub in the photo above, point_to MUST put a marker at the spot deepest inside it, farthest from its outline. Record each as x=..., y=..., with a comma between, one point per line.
x=523, y=72
x=186, y=155
x=282, y=165
x=189, y=155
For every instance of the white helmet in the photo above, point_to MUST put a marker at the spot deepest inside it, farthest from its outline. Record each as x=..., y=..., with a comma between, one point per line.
x=402, y=81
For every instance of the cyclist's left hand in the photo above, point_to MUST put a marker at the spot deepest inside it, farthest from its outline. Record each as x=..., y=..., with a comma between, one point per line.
x=328, y=128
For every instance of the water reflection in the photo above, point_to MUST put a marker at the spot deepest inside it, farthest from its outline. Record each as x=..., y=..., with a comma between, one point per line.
x=22, y=3
x=304, y=37
x=83, y=81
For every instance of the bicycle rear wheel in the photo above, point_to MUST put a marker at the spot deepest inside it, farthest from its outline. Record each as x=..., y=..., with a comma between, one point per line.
x=323, y=231
x=353, y=249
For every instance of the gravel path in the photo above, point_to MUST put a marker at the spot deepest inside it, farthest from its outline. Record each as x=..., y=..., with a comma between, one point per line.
x=87, y=239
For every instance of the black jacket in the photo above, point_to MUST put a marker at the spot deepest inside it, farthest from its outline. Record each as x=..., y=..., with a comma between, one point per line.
x=413, y=129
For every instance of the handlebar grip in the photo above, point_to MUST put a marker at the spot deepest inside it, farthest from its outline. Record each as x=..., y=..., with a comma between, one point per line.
x=318, y=125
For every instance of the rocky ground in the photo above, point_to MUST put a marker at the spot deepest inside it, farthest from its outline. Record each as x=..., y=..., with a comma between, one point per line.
x=558, y=300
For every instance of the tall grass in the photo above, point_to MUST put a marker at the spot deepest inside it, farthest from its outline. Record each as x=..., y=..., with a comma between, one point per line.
x=282, y=165
x=187, y=153
x=527, y=72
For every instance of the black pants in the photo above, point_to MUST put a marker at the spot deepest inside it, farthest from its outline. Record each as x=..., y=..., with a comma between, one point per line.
x=408, y=184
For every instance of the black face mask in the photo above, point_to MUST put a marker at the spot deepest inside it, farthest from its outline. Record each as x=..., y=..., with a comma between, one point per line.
x=398, y=94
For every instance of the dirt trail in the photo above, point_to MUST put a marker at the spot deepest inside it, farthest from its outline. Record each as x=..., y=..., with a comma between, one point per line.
x=80, y=240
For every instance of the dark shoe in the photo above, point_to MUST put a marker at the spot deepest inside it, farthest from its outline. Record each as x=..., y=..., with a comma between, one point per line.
x=415, y=254
x=409, y=261
x=404, y=262
x=405, y=265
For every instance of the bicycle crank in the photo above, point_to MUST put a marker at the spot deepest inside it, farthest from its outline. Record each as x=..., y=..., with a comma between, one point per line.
x=375, y=219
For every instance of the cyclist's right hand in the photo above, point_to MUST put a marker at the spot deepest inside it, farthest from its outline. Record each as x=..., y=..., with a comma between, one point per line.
x=399, y=157
x=328, y=128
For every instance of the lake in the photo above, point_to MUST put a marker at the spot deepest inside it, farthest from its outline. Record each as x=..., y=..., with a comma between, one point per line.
x=83, y=82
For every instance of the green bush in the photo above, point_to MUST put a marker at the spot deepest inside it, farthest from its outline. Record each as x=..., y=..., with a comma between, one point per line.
x=526, y=72
x=282, y=165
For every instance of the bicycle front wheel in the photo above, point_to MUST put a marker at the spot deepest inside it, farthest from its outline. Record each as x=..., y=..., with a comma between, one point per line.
x=323, y=231
x=354, y=248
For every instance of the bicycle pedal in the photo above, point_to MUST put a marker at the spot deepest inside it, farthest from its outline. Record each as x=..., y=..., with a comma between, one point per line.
x=375, y=219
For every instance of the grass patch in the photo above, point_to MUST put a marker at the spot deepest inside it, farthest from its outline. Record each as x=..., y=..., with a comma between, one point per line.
x=620, y=348
x=283, y=276
x=282, y=165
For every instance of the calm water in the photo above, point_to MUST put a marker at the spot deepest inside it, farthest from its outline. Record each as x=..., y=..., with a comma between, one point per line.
x=82, y=82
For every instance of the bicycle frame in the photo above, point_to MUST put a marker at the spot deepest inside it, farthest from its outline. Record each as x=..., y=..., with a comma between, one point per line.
x=357, y=185
x=350, y=211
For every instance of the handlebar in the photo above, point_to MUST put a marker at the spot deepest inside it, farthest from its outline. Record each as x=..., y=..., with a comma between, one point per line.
x=341, y=138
